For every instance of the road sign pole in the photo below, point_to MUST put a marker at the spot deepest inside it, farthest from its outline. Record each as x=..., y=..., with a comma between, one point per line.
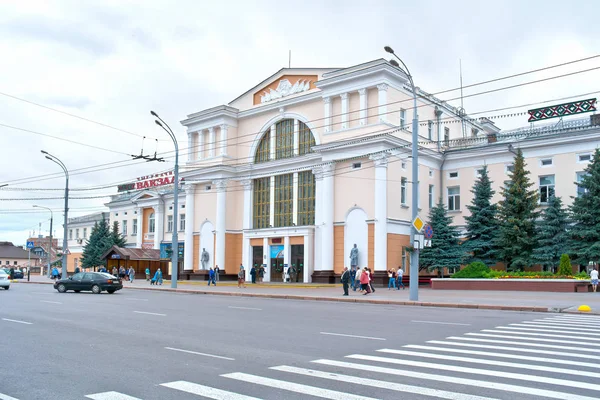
x=28, y=262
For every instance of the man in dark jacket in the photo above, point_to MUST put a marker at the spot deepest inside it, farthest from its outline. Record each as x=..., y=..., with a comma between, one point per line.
x=345, y=280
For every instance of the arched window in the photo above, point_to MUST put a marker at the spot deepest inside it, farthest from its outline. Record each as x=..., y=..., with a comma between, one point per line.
x=284, y=141
x=151, y=223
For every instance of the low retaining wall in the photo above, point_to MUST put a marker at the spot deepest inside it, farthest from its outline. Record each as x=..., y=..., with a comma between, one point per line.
x=524, y=285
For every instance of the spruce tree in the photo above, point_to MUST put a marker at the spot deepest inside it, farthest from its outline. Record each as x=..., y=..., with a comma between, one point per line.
x=481, y=223
x=99, y=242
x=116, y=238
x=585, y=211
x=445, y=250
x=551, y=234
x=517, y=215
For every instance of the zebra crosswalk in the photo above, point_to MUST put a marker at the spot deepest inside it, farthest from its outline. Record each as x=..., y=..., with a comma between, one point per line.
x=556, y=357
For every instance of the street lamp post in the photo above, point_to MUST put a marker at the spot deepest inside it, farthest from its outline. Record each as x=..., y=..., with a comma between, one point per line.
x=174, y=242
x=49, y=247
x=414, y=260
x=64, y=256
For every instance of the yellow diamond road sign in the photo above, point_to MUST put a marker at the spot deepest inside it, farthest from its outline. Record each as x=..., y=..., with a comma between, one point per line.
x=419, y=224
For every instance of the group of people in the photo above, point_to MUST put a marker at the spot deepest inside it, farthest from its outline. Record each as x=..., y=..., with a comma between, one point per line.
x=362, y=279
x=257, y=274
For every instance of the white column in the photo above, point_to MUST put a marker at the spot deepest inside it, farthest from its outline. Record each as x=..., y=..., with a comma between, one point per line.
x=318, y=173
x=159, y=225
x=363, y=106
x=380, y=161
x=344, y=97
x=247, y=225
x=188, y=259
x=382, y=109
x=221, y=186
x=308, y=266
x=327, y=114
x=200, y=144
x=295, y=198
x=287, y=253
x=272, y=202
x=212, y=142
x=223, y=144
x=267, y=259
x=296, y=138
x=190, y=146
x=327, y=216
x=140, y=219
x=272, y=142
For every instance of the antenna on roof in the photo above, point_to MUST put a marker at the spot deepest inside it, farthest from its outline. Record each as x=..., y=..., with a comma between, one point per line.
x=290, y=59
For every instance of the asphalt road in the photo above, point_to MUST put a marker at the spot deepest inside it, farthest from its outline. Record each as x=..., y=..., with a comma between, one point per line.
x=156, y=345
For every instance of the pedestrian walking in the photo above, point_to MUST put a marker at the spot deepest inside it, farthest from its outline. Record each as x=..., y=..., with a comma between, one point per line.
x=364, y=281
x=122, y=273
x=211, y=277
x=345, y=279
x=594, y=277
x=371, y=280
x=357, y=284
x=241, y=277
x=253, y=274
x=261, y=273
x=399, y=276
x=392, y=279
x=147, y=274
x=115, y=272
x=131, y=274
x=158, y=278
x=77, y=270
x=217, y=270
x=352, y=277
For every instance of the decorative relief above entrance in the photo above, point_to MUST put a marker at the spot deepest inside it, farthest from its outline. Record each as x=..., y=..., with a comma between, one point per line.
x=286, y=86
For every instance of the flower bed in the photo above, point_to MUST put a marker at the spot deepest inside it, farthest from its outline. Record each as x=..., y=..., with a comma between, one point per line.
x=528, y=284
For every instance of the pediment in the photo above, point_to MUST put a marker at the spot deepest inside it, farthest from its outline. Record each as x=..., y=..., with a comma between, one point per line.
x=284, y=86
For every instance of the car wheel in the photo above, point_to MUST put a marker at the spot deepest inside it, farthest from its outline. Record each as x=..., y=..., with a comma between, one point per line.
x=6, y=287
x=77, y=291
x=61, y=288
x=111, y=291
x=96, y=289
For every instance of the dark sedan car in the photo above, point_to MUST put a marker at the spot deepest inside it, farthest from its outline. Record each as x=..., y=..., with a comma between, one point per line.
x=17, y=273
x=97, y=282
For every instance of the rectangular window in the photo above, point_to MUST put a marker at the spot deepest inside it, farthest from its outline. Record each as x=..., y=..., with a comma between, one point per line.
x=546, y=162
x=546, y=188
x=446, y=136
x=70, y=234
x=182, y=222
x=429, y=130
x=510, y=168
x=306, y=140
x=454, y=198
x=356, y=165
x=430, y=196
x=403, y=191
x=284, y=139
x=169, y=223
x=134, y=227
x=151, y=223
x=403, y=164
x=207, y=188
x=262, y=203
x=76, y=233
x=453, y=175
x=402, y=118
x=404, y=257
x=8, y=263
x=584, y=157
x=580, y=190
x=85, y=233
x=123, y=227
x=14, y=263
x=284, y=200
x=306, y=198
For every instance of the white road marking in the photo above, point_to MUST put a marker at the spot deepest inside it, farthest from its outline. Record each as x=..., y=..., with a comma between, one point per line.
x=509, y=332
x=17, y=321
x=549, y=394
x=587, y=345
x=353, y=336
x=110, y=396
x=556, y=323
x=246, y=308
x=478, y=371
x=576, y=320
x=549, y=329
x=295, y=387
x=441, y=323
x=6, y=397
x=578, y=317
x=503, y=355
x=150, y=313
x=554, y=327
x=51, y=302
x=442, y=394
x=519, y=349
x=200, y=354
x=206, y=391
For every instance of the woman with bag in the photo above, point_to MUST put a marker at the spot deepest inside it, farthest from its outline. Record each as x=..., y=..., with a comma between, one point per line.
x=364, y=281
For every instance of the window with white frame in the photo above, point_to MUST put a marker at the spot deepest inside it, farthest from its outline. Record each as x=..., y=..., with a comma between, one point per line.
x=404, y=258
x=403, y=164
x=403, y=191
x=402, y=118
x=356, y=165
x=85, y=233
x=431, y=173
x=582, y=158
x=429, y=130
x=580, y=190
x=169, y=223
x=182, y=222
x=454, y=198
x=509, y=168
x=124, y=227
x=151, y=223
x=446, y=136
x=546, y=188
x=76, y=233
x=453, y=175
x=134, y=227
x=430, y=196
x=546, y=162
x=70, y=234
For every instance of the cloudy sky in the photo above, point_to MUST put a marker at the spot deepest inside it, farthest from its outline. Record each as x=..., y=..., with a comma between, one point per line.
x=110, y=62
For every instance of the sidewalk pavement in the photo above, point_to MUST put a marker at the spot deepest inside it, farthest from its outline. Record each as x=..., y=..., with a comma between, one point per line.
x=473, y=299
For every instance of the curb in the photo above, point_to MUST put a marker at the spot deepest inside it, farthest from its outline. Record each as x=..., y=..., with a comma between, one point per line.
x=358, y=300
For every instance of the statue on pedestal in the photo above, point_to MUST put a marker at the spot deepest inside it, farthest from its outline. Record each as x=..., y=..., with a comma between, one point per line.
x=354, y=256
x=204, y=259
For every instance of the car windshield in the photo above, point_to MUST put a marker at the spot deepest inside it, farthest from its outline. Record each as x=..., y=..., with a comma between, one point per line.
x=105, y=275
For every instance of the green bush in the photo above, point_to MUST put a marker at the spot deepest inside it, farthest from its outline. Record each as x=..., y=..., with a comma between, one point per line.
x=564, y=267
x=476, y=269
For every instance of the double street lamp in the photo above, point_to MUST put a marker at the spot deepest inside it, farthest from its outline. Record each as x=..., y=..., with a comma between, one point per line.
x=175, y=243
x=414, y=260
x=49, y=247
x=65, y=248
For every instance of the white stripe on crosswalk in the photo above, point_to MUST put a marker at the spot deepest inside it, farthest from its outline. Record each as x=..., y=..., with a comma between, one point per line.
x=6, y=397
x=442, y=394
x=549, y=394
x=535, y=334
x=110, y=396
x=295, y=387
x=477, y=371
x=503, y=355
x=579, y=319
x=560, y=324
x=547, y=329
x=206, y=391
x=515, y=337
x=472, y=360
x=519, y=349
